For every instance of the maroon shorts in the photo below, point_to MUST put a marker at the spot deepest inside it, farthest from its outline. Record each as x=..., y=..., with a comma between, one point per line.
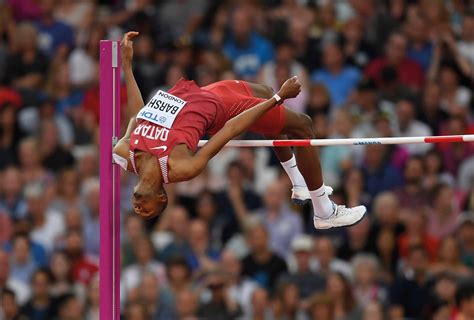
x=237, y=97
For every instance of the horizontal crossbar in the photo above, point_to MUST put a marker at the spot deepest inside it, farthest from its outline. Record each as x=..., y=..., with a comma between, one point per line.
x=346, y=142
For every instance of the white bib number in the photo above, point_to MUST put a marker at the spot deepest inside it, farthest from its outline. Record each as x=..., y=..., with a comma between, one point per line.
x=162, y=109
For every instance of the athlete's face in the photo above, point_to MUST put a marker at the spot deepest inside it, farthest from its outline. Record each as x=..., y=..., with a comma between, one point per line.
x=149, y=204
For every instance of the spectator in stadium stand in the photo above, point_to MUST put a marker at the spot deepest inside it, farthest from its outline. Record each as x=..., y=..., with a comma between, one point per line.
x=83, y=267
x=353, y=187
x=41, y=305
x=47, y=224
x=412, y=193
x=287, y=302
x=26, y=64
x=221, y=304
x=275, y=73
x=55, y=37
x=134, y=228
x=61, y=271
x=239, y=198
x=319, y=100
x=465, y=236
x=410, y=293
x=416, y=232
x=430, y=111
x=444, y=211
x=201, y=257
x=32, y=171
x=356, y=240
x=260, y=305
x=68, y=193
x=207, y=210
x=91, y=194
x=261, y=264
x=22, y=291
x=321, y=307
x=408, y=126
x=156, y=297
x=465, y=301
x=283, y=224
x=326, y=260
x=178, y=275
x=67, y=98
x=12, y=200
x=455, y=153
x=449, y=259
x=435, y=173
x=338, y=287
x=300, y=273
x=240, y=287
x=420, y=48
x=22, y=263
x=454, y=95
x=69, y=307
x=357, y=51
x=366, y=286
x=444, y=289
x=179, y=227
x=9, y=309
x=410, y=72
x=379, y=174
x=186, y=305
x=55, y=157
x=136, y=310
x=248, y=50
x=10, y=134
x=340, y=79
x=466, y=43
x=92, y=305
x=132, y=274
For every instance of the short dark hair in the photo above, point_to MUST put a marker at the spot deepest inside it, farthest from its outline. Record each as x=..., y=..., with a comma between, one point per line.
x=7, y=292
x=44, y=271
x=465, y=292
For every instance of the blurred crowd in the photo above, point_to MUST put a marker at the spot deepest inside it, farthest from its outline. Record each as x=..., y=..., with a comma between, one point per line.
x=231, y=245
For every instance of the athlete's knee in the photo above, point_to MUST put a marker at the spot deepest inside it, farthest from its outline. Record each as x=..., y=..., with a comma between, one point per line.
x=304, y=127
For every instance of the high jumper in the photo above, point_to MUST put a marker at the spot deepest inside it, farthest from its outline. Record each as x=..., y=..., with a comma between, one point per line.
x=161, y=142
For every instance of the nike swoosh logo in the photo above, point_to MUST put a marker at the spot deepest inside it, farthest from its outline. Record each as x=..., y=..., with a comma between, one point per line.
x=293, y=166
x=322, y=194
x=164, y=148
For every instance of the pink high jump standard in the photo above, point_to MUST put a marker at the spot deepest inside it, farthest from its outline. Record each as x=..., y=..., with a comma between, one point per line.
x=109, y=271
x=110, y=173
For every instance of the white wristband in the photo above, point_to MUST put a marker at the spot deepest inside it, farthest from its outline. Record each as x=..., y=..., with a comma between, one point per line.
x=278, y=99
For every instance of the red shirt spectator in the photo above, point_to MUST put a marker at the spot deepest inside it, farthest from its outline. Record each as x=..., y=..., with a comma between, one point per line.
x=409, y=71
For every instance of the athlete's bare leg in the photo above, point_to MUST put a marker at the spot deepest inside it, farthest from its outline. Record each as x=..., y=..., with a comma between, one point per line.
x=300, y=126
x=262, y=91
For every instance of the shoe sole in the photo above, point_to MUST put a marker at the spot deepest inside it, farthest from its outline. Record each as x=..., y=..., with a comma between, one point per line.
x=347, y=225
x=300, y=202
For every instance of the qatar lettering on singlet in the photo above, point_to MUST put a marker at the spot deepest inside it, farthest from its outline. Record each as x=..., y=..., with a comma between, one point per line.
x=162, y=109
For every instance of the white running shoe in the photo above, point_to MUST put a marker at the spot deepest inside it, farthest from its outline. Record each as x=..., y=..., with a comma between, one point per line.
x=301, y=196
x=341, y=217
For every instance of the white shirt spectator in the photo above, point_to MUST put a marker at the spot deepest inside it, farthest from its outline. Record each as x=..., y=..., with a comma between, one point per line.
x=52, y=228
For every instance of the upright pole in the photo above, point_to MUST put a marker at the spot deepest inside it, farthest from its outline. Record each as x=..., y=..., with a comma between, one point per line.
x=109, y=181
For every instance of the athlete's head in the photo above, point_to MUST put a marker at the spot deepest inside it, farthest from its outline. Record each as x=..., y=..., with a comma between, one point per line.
x=149, y=201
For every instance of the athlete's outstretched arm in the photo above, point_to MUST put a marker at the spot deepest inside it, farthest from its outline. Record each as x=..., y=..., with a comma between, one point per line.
x=236, y=126
x=134, y=96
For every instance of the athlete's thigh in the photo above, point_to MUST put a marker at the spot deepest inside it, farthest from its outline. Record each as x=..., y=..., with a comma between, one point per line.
x=295, y=122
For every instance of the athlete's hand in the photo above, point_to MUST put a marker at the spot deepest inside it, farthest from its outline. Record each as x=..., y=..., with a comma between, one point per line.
x=290, y=89
x=127, y=48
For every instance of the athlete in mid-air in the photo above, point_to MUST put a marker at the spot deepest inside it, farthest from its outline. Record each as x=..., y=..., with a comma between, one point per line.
x=160, y=145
